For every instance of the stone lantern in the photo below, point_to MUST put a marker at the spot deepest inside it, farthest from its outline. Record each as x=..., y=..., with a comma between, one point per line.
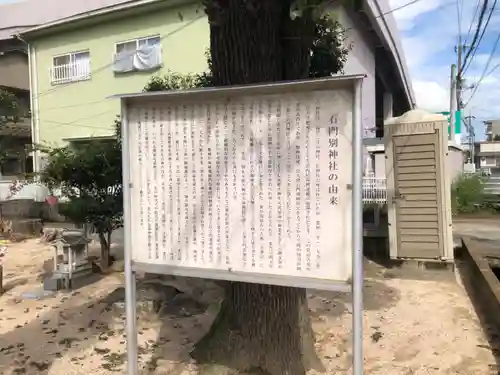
x=70, y=259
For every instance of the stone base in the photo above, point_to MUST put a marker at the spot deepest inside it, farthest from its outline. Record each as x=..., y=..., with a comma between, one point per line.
x=51, y=284
x=419, y=269
x=27, y=227
x=173, y=297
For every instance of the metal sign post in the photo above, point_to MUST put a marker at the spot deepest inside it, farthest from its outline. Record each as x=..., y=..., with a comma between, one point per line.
x=192, y=159
x=130, y=279
x=357, y=234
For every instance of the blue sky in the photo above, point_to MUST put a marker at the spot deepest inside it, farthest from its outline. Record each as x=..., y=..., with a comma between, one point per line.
x=429, y=32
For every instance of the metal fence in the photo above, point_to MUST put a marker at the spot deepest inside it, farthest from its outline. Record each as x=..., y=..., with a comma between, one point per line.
x=374, y=189
x=491, y=185
x=32, y=191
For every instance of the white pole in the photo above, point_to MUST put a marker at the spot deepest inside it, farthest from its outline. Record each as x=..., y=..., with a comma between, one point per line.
x=357, y=233
x=130, y=282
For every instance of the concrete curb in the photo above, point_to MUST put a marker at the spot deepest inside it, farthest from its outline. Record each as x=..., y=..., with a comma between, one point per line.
x=481, y=284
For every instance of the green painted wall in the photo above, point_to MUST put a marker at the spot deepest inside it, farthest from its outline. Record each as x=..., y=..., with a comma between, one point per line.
x=80, y=109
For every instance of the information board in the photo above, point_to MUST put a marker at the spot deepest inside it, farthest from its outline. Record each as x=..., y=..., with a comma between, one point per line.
x=255, y=184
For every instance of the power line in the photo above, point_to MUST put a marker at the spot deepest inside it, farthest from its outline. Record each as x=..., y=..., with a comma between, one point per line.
x=481, y=37
x=476, y=12
x=72, y=105
x=408, y=4
x=98, y=70
x=459, y=20
x=104, y=67
x=493, y=69
x=483, y=74
x=74, y=122
x=476, y=36
x=398, y=8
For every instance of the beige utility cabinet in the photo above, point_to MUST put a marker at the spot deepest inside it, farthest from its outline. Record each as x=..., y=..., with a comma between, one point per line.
x=418, y=187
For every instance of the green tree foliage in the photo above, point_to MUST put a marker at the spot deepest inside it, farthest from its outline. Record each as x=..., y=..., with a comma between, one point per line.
x=329, y=50
x=328, y=56
x=89, y=178
x=10, y=114
x=9, y=107
x=177, y=81
x=467, y=194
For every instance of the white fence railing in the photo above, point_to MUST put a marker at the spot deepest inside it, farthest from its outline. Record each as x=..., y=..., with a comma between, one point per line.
x=491, y=185
x=37, y=192
x=78, y=71
x=374, y=189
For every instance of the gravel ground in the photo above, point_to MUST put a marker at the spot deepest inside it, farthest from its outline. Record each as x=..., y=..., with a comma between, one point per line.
x=411, y=327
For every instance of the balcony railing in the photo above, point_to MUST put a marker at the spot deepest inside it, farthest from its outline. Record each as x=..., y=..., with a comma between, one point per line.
x=492, y=185
x=78, y=71
x=374, y=189
x=489, y=163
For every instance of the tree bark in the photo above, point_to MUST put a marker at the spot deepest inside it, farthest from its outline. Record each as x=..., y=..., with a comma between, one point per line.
x=105, y=241
x=259, y=328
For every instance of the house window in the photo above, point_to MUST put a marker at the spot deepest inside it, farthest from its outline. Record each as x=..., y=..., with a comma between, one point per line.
x=70, y=67
x=140, y=54
x=11, y=166
x=133, y=45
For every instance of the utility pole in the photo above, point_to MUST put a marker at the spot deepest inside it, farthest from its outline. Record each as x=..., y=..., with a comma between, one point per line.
x=453, y=101
x=472, y=137
x=460, y=49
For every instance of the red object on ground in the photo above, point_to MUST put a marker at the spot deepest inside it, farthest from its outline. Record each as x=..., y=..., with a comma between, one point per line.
x=51, y=200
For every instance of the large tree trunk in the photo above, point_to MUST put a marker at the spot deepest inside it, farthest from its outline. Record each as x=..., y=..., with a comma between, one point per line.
x=260, y=328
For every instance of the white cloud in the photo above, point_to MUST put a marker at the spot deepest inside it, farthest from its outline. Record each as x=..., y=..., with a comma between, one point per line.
x=429, y=33
x=431, y=96
x=407, y=15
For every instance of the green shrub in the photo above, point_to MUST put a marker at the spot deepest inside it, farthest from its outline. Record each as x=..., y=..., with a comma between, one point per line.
x=467, y=194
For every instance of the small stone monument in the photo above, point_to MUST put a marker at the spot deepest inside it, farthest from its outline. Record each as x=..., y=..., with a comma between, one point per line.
x=70, y=259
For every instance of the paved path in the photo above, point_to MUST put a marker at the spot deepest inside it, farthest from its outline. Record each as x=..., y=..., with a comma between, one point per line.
x=486, y=231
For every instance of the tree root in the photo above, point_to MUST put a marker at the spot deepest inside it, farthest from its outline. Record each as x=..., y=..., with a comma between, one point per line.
x=260, y=329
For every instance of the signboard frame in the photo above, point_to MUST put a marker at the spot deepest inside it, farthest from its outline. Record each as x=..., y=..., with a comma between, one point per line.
x=352, y=83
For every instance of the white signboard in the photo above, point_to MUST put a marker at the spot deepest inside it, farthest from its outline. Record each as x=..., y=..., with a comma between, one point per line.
x=243, y=185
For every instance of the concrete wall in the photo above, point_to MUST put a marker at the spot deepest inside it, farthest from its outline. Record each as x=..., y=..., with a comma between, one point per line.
x=360, y=60
x=82, y=108
x=380, y=165
x=14, y=71
x=489, y=147
x=480, y=282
